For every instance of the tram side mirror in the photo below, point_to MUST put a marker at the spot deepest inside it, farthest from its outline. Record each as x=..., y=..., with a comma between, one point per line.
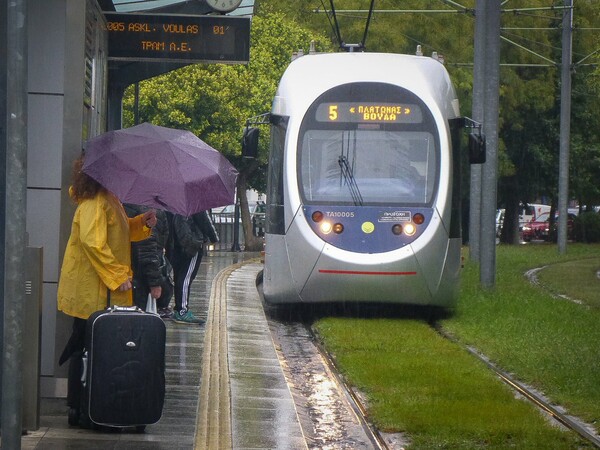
x=476, y=148
x=250, y=142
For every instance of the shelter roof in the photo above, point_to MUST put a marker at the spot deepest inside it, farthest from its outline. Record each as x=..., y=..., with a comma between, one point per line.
x=193, y=7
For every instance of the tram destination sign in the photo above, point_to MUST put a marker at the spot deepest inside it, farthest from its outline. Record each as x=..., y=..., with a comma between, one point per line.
x=360, y=112
x=178, y=38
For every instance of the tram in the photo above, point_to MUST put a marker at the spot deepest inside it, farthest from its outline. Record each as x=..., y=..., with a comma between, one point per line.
x=363, y=198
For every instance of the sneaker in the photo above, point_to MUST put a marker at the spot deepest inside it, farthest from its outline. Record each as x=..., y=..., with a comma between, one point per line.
x=186, y=317
x=165, y=313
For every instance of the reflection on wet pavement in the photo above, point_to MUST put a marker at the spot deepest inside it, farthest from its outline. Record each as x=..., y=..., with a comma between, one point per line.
x=263, y=413
x=326, y=417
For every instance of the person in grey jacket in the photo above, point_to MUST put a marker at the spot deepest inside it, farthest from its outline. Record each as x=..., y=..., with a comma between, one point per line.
x=151, y=268
x=189, y=236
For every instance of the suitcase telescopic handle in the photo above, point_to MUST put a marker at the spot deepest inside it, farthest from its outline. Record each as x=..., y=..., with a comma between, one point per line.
x=119, y=308
x=116, y=308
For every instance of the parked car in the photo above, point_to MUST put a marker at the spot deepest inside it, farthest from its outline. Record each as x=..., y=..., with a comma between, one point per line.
x=539, y=229
x=570, y=228
x=531, y=212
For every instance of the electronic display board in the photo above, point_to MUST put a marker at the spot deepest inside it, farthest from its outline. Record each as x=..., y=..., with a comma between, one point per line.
x=178, y=38
x=361, y=112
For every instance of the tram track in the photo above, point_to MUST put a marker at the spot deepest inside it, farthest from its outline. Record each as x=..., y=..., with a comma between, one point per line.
x=574, y=424
x=382, y=441
x=332, y=413
x=585, y=431
x=352, y=397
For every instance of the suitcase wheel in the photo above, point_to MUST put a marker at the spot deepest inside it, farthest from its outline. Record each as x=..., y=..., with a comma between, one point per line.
x=86, y=423
x=73, y=416
x=140, y=428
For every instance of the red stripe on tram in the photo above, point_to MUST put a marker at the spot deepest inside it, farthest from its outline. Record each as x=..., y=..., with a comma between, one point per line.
x=363, y=272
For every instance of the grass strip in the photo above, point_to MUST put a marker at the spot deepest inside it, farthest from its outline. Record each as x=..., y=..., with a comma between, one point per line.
x=422, y=384
x=443, y=397
x=579, y=280
x=552, y=344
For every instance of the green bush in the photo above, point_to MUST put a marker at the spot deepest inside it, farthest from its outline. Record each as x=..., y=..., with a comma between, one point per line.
x=587, y=227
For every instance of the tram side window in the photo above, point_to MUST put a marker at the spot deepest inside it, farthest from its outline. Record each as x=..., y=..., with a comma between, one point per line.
x=275, y=222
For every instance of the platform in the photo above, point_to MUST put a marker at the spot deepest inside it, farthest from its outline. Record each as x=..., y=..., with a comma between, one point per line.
x=225, y=386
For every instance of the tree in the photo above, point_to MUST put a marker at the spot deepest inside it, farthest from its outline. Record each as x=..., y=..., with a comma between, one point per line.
x=585, y=126
x=214, y=101
x=530, y=110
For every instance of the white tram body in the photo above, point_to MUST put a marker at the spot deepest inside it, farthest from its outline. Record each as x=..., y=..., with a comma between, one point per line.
x=362, y=197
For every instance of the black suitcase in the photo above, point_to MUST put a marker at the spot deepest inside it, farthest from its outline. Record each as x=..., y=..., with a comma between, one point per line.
x=125, y=367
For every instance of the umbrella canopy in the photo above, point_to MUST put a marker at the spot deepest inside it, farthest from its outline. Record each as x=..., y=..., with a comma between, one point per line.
x=162, y=168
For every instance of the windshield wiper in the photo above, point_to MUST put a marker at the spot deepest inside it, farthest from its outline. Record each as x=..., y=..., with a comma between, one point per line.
x=350, y=181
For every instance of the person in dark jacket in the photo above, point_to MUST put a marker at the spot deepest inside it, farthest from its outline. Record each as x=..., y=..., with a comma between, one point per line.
x=151, y=268
x=189, y=236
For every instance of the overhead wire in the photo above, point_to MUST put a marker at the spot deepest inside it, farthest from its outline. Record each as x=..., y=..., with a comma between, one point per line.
x=336, y=29
x=459, y=8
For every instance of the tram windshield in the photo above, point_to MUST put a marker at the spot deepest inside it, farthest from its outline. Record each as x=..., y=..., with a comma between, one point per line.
x=368, y=144
x=364, y=167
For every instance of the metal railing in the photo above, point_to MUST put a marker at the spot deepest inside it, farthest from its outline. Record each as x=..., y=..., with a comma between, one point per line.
x=230, y=230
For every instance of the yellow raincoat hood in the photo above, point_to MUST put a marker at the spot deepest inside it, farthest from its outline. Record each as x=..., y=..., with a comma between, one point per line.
x=98, y=255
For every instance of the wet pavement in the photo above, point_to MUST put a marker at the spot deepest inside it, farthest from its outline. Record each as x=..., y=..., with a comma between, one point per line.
x=326, y=415
x=263, y=413
x=239, y=381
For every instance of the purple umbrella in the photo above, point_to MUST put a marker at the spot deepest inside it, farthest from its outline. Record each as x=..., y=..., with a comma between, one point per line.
x=162, y=168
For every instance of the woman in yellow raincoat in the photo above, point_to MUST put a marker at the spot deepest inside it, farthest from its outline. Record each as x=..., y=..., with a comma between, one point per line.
x=97, y=258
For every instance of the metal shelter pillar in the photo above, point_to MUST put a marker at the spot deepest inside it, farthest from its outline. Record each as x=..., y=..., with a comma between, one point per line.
x=14, y=16
x=114, y=119
x=3, y=93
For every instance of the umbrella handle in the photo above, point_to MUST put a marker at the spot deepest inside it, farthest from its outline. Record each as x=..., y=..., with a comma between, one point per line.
x=160, y=202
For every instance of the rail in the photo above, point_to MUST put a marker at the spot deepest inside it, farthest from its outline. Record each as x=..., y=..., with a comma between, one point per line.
x=530, y=394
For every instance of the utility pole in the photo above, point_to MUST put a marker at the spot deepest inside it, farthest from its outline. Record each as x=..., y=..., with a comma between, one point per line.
x=489, y=185
x=565, y=126
x=478, y=108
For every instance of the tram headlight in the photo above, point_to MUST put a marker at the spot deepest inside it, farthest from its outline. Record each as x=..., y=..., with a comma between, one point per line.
x=326, y=227
x=410, y=229
x=397, y=229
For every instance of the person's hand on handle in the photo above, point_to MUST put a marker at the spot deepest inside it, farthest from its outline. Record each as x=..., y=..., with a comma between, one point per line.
x=156, y=291
x=149, y=218
x=125, y=286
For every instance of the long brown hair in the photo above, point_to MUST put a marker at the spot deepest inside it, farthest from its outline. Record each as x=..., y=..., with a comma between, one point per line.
x=83, y=186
